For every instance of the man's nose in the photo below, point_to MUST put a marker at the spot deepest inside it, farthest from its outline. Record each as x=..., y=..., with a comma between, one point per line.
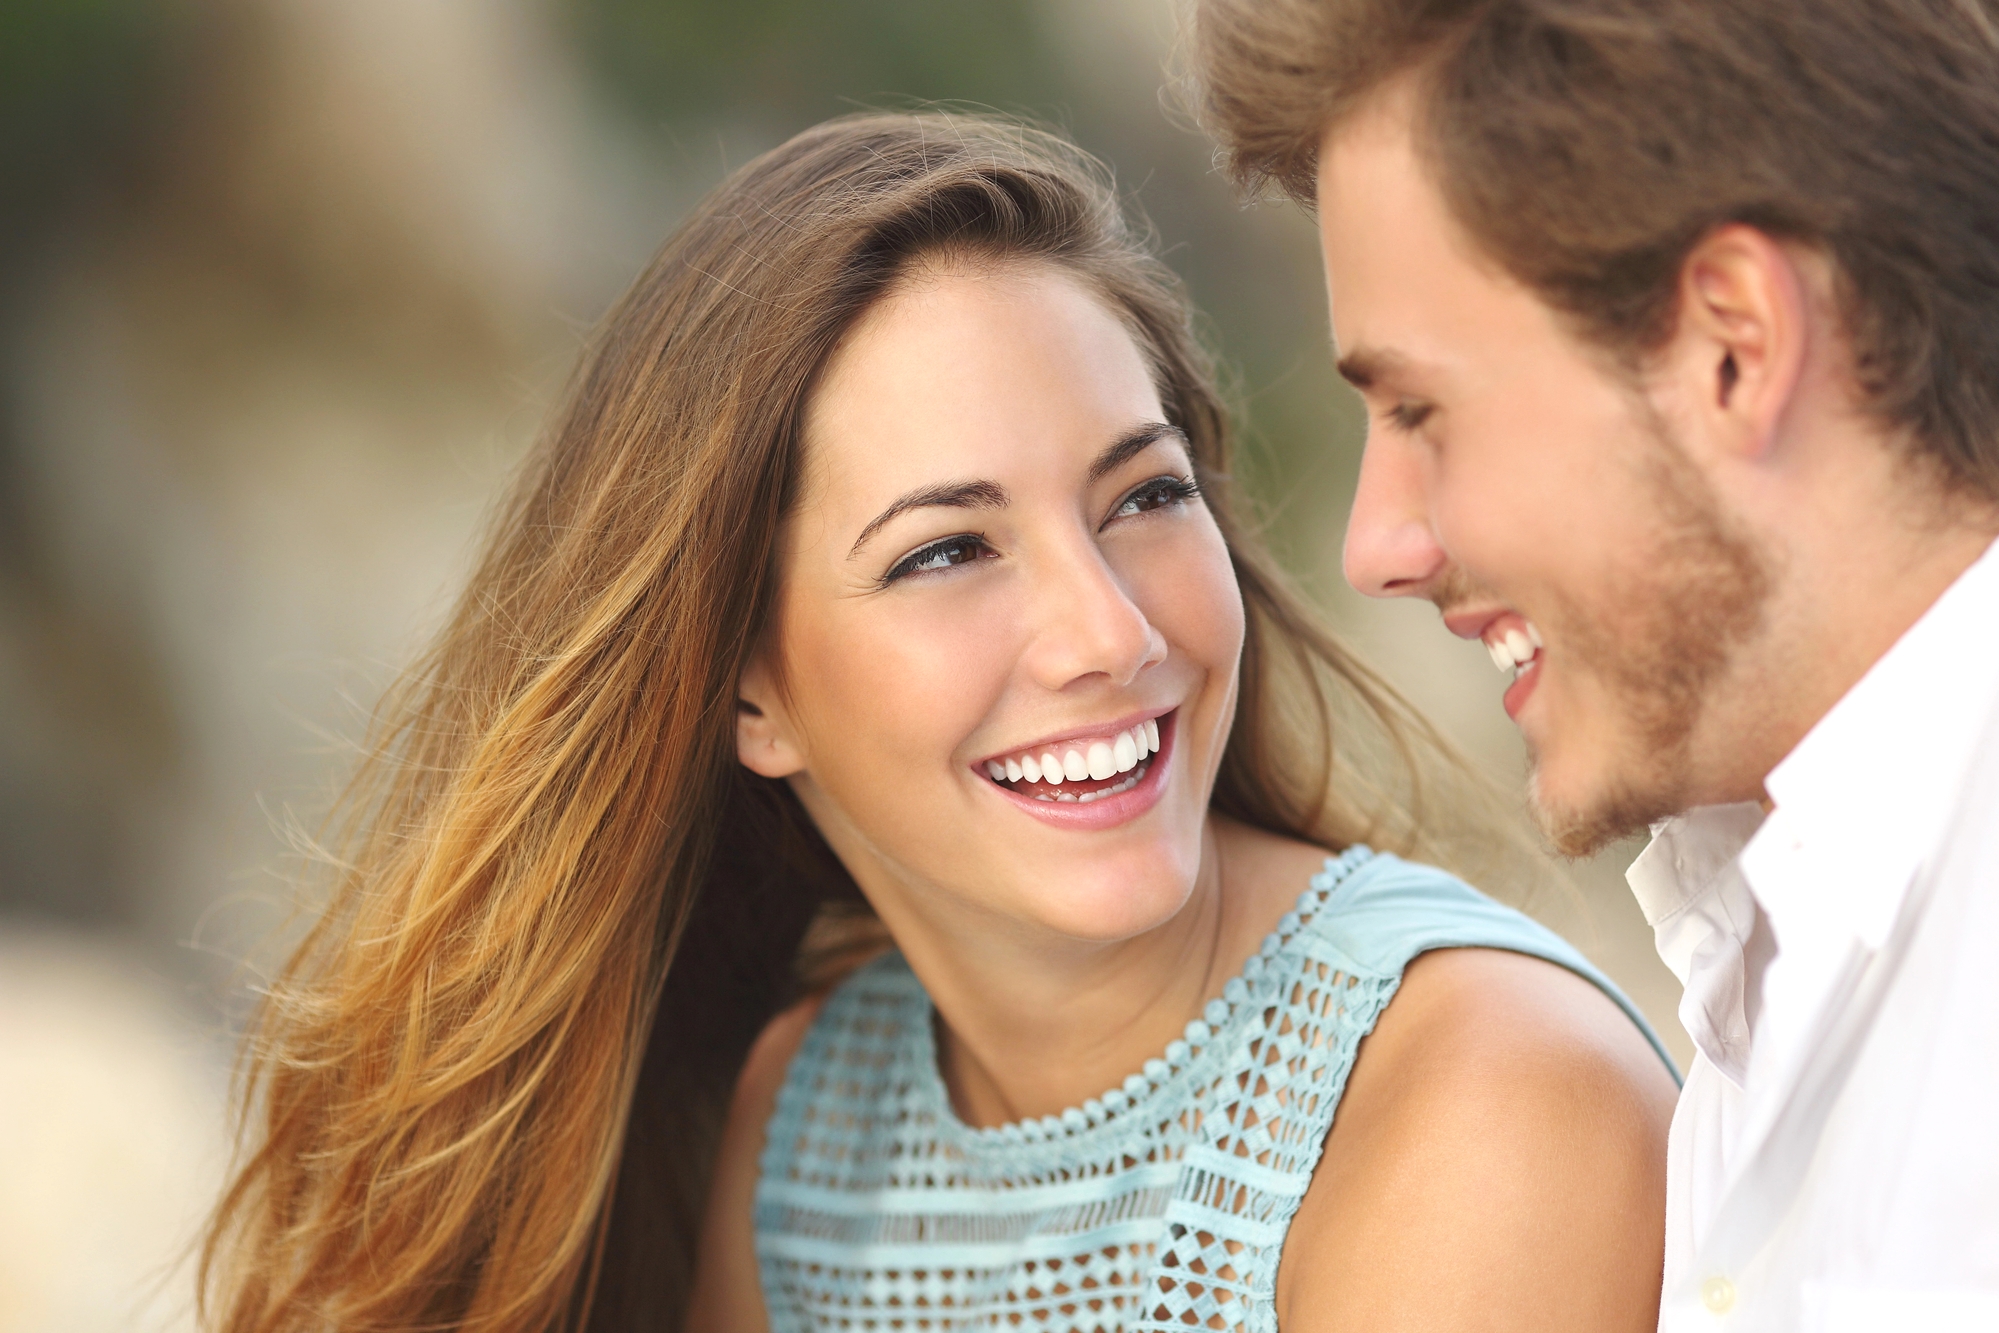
x=1391, y=550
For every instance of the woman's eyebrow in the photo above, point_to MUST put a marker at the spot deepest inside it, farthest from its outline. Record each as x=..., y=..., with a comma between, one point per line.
x=955, y=495
x=992, y=495
x=1133, y=442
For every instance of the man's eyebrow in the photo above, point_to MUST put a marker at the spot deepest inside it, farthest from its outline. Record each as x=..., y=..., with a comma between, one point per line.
x=1365, y=367
x=1133, y=442
x=953, y=495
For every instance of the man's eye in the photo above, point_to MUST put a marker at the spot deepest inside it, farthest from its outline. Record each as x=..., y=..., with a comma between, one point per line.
x=1157, y=494
x=1407, y=417
x=959, y=550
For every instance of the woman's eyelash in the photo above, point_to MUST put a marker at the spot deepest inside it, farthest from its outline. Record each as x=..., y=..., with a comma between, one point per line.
x=965, y=547
x=1162, y=491
x=937, y=555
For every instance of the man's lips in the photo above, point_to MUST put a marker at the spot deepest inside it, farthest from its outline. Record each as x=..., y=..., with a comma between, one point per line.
x=1510, y=639
x=1472, y=622
x=1524, y=680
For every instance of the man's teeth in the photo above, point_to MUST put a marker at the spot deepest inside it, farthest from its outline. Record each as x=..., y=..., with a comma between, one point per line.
x=1091, y=762
x=1514, y=649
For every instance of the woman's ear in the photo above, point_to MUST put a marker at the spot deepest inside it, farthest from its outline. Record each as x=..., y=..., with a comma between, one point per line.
x=764, y=740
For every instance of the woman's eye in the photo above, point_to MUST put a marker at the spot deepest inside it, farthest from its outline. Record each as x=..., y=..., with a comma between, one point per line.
x=959, y=550
x=1157, y=494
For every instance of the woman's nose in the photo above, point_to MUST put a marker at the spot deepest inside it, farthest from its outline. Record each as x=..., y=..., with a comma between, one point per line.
x=1091, y=626
x=1391, y=548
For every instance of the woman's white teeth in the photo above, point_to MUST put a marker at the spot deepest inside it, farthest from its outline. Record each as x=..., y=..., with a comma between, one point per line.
x=1094, y=762
x=1084, y=798
x=1102, y=763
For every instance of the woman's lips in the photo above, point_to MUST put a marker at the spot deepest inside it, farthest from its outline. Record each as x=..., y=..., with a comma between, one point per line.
x=1077, y=767
x=1092, y=801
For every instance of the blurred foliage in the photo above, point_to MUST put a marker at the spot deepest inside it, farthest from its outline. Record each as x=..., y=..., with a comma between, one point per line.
x=788, y=63
x=73, y=76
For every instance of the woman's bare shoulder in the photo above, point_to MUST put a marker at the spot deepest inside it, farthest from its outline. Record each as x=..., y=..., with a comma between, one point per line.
x=1498, y=1161
x=728, y=1295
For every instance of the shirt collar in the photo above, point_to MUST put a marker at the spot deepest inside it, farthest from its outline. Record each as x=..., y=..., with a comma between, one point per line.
x=1861, y=800
x=1702, y=917
x=1685, y=857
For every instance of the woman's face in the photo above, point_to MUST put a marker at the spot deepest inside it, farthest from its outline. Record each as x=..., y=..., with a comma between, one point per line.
x=1000, y=590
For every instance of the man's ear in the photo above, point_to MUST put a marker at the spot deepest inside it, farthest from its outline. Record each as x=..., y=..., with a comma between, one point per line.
x=764, y=741
x=1739, y=348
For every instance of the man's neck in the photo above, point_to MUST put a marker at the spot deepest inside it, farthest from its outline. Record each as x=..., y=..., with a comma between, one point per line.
x=1858, y=561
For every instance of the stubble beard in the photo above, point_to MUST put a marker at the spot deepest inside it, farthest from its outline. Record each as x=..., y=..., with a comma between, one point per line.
x=1658, y=644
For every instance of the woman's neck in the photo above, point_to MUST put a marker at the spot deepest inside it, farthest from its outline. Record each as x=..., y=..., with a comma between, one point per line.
x=1030, y=1026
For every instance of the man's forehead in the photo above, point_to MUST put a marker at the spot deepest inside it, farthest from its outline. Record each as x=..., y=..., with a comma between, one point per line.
x=1377, y=201
x=1380, y=125
x=1387, y=248
x=1406, y=284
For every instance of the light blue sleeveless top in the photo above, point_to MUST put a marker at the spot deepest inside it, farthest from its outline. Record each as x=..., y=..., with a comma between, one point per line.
x=1161, y=1204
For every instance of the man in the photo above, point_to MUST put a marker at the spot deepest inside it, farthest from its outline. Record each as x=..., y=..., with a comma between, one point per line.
x=1678, y=326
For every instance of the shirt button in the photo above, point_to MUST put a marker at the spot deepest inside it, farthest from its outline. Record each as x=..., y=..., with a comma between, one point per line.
x=1718, y=1295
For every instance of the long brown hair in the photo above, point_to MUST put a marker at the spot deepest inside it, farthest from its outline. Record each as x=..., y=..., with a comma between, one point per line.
x=484, y=1092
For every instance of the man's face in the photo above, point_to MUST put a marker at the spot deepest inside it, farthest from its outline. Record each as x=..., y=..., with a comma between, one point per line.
x=1536, y=495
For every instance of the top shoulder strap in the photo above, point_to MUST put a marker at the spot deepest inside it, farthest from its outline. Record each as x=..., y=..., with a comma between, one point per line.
x=1387, y=911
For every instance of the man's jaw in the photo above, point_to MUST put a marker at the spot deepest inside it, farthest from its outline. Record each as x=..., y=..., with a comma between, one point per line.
x=1613, y=809
x=1578, y=823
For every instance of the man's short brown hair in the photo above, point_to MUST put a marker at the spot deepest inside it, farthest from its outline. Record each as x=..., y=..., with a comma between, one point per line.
x=1586, y=145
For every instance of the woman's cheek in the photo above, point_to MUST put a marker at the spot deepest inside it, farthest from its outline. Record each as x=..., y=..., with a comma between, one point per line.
x=1187, y=588
x=895, y=690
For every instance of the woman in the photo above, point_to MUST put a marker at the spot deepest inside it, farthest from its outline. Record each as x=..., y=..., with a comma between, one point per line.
x=881, y=575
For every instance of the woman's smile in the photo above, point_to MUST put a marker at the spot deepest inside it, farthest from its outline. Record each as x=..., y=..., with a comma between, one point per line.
x=1091, y=779
x=1002, y=560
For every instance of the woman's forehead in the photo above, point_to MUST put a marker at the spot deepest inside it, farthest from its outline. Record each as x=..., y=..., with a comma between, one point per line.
x=981, y=365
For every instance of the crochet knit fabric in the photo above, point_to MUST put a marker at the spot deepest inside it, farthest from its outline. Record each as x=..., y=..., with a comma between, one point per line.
x=1161, y=1204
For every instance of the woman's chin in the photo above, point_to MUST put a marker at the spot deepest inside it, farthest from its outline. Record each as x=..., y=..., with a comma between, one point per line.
x=1107, y=903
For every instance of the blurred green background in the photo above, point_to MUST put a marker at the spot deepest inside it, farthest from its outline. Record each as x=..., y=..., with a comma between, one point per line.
x=285, y=287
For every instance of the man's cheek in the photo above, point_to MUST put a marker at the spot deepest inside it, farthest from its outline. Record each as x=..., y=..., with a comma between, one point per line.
x=1489, y=537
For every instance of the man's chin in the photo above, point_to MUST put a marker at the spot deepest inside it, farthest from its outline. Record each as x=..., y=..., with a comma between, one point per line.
x=1581, y=824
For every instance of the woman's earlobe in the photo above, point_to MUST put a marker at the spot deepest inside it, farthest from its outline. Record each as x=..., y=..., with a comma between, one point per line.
x=761, y=745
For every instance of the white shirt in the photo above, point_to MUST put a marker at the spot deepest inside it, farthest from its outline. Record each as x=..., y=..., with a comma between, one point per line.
x=1834, y=1160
